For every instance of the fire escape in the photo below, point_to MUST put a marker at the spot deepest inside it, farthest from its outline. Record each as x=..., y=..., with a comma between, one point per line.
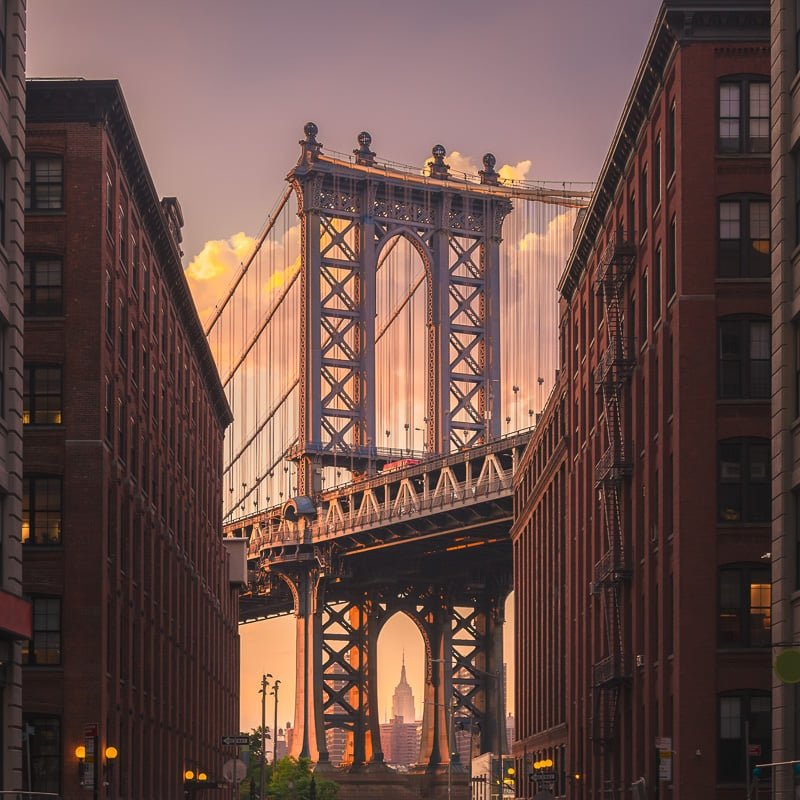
x=611, y=672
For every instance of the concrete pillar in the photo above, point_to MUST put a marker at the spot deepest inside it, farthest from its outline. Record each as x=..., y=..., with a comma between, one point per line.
x=434, y=744
x=309, y=736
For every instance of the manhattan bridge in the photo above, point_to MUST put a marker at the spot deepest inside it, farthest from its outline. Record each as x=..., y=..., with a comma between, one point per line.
x=386, y=350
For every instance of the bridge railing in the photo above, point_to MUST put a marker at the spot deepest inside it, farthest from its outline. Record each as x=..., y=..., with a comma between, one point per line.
x=374, y=510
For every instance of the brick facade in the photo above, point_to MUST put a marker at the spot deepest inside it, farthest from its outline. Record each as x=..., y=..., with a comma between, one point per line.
x=662, y=476
x=134, y=553
x=15, y=612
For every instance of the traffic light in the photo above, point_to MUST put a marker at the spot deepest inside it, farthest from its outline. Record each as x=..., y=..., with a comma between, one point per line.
x=756, y=773
x=796, y=768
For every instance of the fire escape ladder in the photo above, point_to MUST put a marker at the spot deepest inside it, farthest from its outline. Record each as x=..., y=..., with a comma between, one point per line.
x=614, y=368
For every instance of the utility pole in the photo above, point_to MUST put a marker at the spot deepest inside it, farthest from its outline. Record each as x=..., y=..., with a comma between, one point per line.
x=263, y=692
x=275, y=725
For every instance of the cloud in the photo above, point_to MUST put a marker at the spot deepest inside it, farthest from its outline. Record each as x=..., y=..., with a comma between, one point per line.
x=516, y=172
x=213, y=269
x=461, y=164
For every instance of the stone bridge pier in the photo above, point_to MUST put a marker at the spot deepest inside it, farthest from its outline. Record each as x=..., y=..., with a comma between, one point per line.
x=337, y=647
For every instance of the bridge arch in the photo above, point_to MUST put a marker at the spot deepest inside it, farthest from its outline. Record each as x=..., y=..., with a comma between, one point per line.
x=404, y=342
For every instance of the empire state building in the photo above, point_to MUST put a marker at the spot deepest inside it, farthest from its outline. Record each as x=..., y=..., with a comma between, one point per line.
x=403, y=698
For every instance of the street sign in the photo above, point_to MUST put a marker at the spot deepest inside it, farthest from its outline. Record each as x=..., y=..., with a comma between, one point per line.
x=88, y=771
x=663, y=743
x=547, y=777
x=239, y=741
x=234, y=770
x=754, y=750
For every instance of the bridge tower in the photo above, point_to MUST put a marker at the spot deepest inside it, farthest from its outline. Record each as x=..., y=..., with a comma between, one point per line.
x=350, y=210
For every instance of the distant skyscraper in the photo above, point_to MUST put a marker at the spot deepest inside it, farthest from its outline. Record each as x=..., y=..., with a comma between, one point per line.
x=403, y=698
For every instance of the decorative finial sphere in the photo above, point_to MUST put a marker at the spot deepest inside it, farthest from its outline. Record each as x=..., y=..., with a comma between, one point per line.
x=489, y=161
x=310, y=130
x=364, y=139
x=438, y=151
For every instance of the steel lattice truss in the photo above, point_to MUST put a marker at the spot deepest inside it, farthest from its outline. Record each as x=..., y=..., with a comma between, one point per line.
x=348, y=218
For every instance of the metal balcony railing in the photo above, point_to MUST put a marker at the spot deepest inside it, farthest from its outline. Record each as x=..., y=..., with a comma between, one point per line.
x=611, y=568
x=617, y=361
x=618, y=257
x=612, y=466
x=608, y=671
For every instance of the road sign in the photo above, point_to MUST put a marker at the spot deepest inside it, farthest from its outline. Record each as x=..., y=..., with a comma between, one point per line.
x=234, y=770
x=663, y=743
x=754, y=750
x=88, y=769
x=239, y=741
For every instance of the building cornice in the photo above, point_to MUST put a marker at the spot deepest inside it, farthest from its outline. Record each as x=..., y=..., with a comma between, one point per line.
x=101, y=102
x=678, y=24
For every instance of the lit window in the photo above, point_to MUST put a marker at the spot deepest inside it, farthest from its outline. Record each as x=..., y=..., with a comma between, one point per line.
x=744, y=606
x=41, y=398
x=45, y=645
x=41, y=511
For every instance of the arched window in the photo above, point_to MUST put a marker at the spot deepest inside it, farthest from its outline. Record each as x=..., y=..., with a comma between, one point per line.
x=743, y=481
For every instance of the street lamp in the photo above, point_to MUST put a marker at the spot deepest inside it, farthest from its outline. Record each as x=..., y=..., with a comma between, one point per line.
x=80, y=754
x=111, y=754
x=263, y=693
x=274, y=692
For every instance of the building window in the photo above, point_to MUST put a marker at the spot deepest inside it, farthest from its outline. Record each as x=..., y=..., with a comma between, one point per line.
x=754, y=709
x=109, y=409
x=797, y=35
x=657, y=173
x=657, y=285
x=3, y=169
x=42, y=758
x=110, y=205
x=44, y=183
x=743, y=492
x=744, y=358
x=41, y=395
x=3, y=30
x=643, y=202
x=123, y=232
x=109, y=306
x=671, y=134
x=672, y=257
x=643, y=310
x=41, y=510
x=743, y=246
x=744, y=116
x=43, y=286
x=45, y=646
x=744, y=606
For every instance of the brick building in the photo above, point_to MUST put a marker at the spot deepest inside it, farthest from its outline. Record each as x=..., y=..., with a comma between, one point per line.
x=134, y=596
x=642, y=536
x=15, y=613
x=786, y=379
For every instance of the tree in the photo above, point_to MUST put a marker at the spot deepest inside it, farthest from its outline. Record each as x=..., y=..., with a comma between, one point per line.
x=292, y=779
x=250, y=786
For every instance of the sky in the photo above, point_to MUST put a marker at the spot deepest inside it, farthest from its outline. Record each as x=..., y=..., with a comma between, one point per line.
x=219, y=94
